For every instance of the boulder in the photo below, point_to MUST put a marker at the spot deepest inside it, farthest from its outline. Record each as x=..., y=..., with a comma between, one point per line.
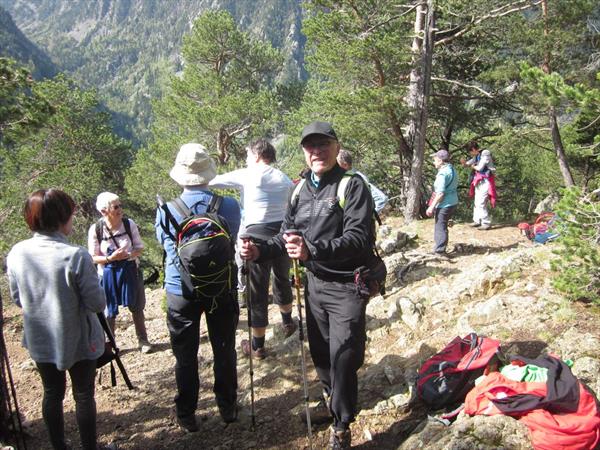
x=547, y=204
x=470, y=433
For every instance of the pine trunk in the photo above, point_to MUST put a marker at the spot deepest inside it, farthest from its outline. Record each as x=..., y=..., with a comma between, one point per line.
x=420, y=80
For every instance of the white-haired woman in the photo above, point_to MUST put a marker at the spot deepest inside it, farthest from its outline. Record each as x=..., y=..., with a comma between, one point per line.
x=115, y=245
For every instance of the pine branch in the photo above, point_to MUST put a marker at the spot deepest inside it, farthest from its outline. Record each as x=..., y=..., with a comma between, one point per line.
x=494, y=14
x=464, y=85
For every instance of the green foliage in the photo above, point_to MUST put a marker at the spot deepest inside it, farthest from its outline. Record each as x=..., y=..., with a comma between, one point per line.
x=577, y=273
x=20, y=109
x=73, y=149
x=225, y=97
x=125, y=49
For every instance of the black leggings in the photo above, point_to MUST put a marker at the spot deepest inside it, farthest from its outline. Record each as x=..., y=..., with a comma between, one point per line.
x=83, y=376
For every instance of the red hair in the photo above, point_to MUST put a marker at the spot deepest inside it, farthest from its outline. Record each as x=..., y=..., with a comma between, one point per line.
x=48, y=209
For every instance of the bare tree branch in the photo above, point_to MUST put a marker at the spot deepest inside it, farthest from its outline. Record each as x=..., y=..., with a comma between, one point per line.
x=494, y=14
x=372, y=28
x=464, y=85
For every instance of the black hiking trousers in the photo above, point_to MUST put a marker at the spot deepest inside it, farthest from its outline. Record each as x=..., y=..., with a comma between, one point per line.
x=335, y=321
x=183, y=321
x=440, y=231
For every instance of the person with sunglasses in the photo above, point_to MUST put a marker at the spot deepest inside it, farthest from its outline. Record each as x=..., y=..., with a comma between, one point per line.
x=117, y=255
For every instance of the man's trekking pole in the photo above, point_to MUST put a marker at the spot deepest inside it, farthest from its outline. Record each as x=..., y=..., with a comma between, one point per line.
x=301, y=337
x=246, y=272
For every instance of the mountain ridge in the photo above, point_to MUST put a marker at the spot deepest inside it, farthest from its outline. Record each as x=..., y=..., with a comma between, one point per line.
x=126, y=49
x=14, y=44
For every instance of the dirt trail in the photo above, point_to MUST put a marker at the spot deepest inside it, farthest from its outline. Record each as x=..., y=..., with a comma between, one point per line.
x=143, y=418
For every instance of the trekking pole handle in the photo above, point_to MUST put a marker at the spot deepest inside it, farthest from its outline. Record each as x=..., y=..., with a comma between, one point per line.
x=293, y=231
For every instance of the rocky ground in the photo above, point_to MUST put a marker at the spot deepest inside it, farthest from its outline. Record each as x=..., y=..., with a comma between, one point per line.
x=496, y=283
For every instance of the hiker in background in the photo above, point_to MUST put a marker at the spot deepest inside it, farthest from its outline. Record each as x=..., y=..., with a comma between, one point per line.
x=443, y=203
x=344, y=159
x=264, y=195
x=115, y=245
x=193, y=170
x=331, y=243
x=55, y=284
x=482, y=184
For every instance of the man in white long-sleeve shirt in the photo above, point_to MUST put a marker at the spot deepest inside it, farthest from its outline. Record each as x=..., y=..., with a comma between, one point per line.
x=265, y=192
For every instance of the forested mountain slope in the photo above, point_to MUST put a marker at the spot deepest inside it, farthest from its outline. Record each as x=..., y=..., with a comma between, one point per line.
x=124, y=48
x=14, y=44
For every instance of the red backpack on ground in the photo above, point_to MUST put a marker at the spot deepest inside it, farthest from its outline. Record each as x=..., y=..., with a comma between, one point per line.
x=543, y=223
x=445, y=379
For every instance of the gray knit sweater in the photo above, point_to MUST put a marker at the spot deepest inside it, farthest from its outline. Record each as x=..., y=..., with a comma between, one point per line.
x=56, y=285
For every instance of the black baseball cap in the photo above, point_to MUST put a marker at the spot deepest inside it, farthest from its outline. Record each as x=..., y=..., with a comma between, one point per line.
x=322, y=128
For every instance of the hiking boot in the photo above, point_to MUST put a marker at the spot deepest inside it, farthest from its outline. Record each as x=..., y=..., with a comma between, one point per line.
x=229, y=414
x=339, y=439
x=289, y=328
x=144, y=346
x=475, y=224
x=320, y=413
x=485, y=226
x=188, y=423
x=259, y=353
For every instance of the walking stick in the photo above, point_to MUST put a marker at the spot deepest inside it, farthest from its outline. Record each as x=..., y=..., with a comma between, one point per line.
x=6, y=375
x=301, y=337
x=113, y=344
x=248, y=298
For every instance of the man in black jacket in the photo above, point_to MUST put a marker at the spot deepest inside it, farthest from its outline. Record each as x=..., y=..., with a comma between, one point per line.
x=334, y=240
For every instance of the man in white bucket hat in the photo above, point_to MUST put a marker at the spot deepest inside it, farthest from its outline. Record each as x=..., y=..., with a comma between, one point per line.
x=193, y=169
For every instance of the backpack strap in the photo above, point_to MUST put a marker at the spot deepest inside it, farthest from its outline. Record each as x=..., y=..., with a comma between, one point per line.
x=296, y=192
x=215, y=204
x=341, y=189
x=342, y=185
x=181, y=207
x=100, y=225
x=168, y=219
x=127, y=225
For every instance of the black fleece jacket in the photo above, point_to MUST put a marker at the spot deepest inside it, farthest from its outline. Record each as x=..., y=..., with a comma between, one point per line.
x=338, y=239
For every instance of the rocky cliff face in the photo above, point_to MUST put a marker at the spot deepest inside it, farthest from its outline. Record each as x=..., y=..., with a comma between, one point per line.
x=127, y=48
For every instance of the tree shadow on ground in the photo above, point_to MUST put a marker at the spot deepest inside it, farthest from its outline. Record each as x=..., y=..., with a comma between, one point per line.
x=463, y=249
x=392, y=377
x=528, y=349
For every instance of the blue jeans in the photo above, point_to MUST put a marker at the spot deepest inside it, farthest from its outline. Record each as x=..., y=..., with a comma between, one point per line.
x=83, y=376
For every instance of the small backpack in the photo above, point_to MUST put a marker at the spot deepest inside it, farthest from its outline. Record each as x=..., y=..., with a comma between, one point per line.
x=205, y=249
x=99, y=234
x=445, y=379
